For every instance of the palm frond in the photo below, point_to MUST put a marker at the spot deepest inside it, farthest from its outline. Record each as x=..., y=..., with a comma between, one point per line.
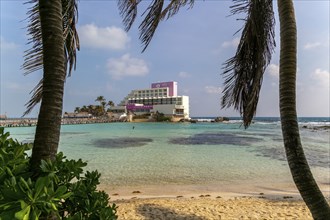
x=150, y=23
x=71, y=44
x=128, y=10
x=174, y=6
x=154, y=14
x=244, y=71
x=36, y=97
x=33, y=57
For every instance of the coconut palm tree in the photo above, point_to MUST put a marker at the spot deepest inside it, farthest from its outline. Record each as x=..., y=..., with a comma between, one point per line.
x=100, y=99
x=84, y=108
x=110, y=103
x=244, y=73
x=77, y=110
x=298, y=164
x=103, y=104
x=54, y=42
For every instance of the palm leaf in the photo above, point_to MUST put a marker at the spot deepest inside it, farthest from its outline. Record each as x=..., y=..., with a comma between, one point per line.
x=154, y=14
x=150, y=23
x=128, y=10
x=244, y=72
x=174, y=7
x=33, y=58
x=70, y=18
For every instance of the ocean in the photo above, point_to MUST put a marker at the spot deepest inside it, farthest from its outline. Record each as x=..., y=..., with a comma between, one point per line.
x=202, y=154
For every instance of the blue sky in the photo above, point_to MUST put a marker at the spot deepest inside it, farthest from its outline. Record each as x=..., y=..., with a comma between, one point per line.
x=189, y=48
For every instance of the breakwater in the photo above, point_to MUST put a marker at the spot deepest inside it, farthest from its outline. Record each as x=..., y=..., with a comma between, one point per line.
x=65, y=121
x=20, y=122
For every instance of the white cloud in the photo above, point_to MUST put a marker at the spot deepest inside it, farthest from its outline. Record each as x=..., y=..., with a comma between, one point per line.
x=273, y=70
x=233, y=43
x=184, y=75
x=127, y=66
x=5, y=45
x=213, y=89
x=112, y=38
x=322, y=76
x=311, y=45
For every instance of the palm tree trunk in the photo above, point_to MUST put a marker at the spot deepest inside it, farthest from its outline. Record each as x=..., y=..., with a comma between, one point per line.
x=49, y=118
x=299, y=167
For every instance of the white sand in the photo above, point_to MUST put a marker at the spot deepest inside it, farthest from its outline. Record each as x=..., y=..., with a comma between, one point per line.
x=211, y=208
x=210, y=202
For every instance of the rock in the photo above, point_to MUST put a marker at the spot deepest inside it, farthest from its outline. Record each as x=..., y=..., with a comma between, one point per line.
x=221, y=119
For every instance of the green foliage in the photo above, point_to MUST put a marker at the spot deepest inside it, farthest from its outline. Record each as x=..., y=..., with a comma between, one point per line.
x=61, y=190
x=160, y=117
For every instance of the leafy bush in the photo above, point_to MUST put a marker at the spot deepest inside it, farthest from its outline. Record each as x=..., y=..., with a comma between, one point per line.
x=60, y=191
x=160, y=117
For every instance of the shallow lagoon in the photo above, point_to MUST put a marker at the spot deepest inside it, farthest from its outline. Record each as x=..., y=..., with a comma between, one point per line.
x=203, y=154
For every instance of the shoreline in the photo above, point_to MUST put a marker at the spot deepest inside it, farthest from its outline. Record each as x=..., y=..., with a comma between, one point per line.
x=278, y=191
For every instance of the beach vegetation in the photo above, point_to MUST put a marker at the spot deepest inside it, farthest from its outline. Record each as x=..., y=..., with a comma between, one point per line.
x=96, y=110
x=61, y=190
x=110, y=104
x=244, y=74
x=160, y=117
x=102, y=101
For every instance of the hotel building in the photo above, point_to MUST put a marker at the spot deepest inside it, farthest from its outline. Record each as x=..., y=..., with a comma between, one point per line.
x=162, y=97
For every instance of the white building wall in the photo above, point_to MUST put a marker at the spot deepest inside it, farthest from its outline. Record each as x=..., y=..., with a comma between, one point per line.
x=185, y=103
x=170, y=108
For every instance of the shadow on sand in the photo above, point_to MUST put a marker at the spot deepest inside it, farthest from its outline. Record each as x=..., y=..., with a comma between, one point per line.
x=152, y=212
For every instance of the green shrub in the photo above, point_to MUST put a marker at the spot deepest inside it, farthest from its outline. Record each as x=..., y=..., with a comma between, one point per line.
x=61, y=190
x=160, y=117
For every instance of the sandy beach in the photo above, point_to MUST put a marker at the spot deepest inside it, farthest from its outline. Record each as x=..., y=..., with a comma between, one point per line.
x=191, y=203
x=208, y=207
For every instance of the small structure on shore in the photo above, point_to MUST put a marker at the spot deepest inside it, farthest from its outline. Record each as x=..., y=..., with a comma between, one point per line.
x=3, y=117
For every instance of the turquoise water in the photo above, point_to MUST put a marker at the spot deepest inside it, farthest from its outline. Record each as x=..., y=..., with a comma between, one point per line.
x=136, y=154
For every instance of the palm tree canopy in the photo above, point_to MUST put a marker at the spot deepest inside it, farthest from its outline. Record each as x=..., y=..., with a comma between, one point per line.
x=244, y=71
x=111, y=103
x=33, y=58
x=100, y=99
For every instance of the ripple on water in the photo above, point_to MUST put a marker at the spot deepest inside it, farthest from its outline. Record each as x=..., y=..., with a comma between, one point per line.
x=215, y=139
x=122, y=142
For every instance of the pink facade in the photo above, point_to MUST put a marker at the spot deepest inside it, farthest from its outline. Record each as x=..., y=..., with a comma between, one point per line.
x=173, y=87
x=134, y=107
